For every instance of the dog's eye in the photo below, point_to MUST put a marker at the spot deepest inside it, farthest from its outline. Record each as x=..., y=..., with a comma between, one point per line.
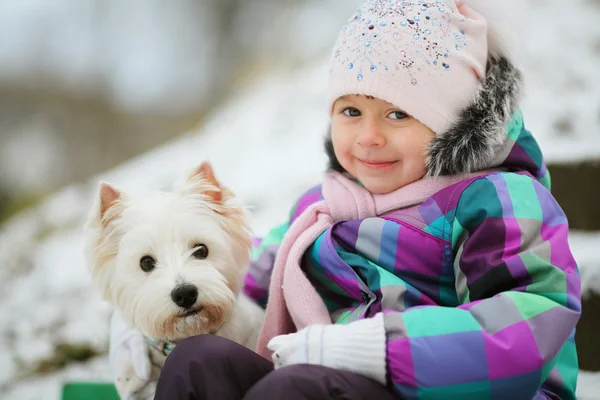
x=200, y=251
x=147, y=263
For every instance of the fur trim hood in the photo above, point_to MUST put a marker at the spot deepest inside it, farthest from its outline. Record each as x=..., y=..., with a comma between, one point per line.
x=490, y=133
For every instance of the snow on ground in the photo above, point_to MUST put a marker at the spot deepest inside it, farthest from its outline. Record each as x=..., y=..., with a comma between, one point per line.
x=585, y=248
x=588, y=386
x=560, y=55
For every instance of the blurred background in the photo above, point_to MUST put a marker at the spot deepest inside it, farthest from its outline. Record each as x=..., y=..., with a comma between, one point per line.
x=138, y=92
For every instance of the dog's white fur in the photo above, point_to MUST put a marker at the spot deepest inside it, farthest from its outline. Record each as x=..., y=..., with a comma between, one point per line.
x=166, y=226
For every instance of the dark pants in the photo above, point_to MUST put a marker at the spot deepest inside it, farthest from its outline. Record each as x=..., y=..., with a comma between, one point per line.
x=211, y=367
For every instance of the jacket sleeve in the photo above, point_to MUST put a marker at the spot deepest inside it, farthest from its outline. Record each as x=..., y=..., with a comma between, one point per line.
x=519, y=292
x=264, y=250
x=262, y=259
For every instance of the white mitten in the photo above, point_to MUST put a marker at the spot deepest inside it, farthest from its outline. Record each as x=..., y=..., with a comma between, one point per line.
x=358, y=347
x=130, y=361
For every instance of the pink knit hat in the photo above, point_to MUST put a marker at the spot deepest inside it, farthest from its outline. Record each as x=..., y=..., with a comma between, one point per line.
x=426, y=57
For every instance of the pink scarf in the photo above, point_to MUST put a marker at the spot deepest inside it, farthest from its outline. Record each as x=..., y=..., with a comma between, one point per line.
x=293, y=302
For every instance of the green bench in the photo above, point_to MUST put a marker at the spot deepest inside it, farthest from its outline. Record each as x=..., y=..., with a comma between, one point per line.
x=89, y=391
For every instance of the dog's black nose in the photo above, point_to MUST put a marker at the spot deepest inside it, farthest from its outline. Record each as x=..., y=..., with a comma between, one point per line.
x=185, y=295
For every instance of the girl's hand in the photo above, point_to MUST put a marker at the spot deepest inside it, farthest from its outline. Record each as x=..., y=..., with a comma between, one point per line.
x=358, y=347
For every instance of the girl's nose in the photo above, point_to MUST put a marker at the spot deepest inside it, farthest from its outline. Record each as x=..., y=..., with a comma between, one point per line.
x=371, y=135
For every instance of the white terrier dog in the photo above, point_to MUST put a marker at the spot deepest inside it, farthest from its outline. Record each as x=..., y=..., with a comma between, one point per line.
x=173, y=263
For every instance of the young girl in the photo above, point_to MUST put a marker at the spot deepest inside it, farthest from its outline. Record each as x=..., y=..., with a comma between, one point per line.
x=432, y=262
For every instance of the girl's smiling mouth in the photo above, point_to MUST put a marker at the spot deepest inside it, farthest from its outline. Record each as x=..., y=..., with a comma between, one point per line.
x=376, y=164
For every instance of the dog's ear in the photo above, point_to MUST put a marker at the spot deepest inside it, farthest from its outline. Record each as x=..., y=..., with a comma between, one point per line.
x=205, y=171
x=107, y=196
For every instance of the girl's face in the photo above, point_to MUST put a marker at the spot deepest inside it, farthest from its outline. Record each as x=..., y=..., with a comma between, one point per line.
x=378, y=144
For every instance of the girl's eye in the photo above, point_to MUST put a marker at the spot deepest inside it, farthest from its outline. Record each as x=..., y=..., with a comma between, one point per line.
x=397, y=115
x=200, y=251
x=351, y=112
